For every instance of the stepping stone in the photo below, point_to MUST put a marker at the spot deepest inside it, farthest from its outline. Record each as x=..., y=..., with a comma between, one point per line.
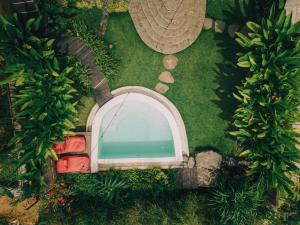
x=208, y=23
x=219, y=26
x=170, y=62
x=166, y=77
x=161, y=88
x=232, y=28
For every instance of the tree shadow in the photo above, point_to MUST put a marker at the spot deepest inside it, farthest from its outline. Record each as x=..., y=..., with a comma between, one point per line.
x=229, y=75
x=240, y=12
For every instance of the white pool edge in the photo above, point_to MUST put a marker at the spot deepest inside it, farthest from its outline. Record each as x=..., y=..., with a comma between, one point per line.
x=171, y=113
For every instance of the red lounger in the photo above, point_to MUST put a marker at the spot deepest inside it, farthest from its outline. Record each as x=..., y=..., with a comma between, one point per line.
x=71, y=144
x=71, y=164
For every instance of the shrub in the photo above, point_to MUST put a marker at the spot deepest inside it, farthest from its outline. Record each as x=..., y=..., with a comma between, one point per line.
x=107, y=63
x=57, y=199
x=235, y=205
x=57, y=12
x=113, y=6
x=102, y=187
x=269, y=98
x=151, y=181
x=80, y=77
x=44, y=104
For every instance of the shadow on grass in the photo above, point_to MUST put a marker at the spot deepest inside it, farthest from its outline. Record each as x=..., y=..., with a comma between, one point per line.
x=239, y=12
x=228, y=77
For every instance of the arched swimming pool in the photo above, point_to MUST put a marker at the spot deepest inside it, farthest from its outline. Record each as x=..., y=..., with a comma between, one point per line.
x=138, y=128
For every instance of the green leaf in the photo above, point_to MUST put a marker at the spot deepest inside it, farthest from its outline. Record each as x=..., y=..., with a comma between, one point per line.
x=50, y=42
x=253, y=27
x=244, y=64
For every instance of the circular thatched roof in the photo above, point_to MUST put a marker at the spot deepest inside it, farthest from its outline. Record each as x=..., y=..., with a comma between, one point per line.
x=168, y=26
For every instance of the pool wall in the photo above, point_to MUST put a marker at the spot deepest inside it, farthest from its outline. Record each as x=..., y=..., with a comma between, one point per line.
x=166, y=107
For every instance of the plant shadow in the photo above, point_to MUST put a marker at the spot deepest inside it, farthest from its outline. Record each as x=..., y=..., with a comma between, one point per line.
x=229, y=75
x=240, y=12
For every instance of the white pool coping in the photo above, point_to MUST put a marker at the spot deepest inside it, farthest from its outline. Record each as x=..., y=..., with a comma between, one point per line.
x=154, y=99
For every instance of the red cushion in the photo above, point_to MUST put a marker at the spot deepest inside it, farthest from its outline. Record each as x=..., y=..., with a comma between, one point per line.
x=70, y=164
x=71, y=144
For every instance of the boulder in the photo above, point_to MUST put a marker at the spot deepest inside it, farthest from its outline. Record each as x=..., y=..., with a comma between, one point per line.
x=208, y=164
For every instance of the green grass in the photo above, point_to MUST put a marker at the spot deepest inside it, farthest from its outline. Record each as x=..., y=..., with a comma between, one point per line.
x=198, y=80
x=204, y=78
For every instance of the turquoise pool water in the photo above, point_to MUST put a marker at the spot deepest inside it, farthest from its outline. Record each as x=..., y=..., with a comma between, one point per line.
x=134, y=129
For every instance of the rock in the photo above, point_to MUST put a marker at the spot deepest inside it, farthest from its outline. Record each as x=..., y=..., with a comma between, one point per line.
x=208, y=164
x=186, y=178
x=219, y=26
x=232, y=28
x=161, y=88
x=170, y=62
x=191, y=162
x=166, y=77
x=208, y=23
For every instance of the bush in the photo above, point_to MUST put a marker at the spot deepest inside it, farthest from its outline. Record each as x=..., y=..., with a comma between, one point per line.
x=235, y=205
x=44, y=104
x=113, y=6
x=152, y=181
x=80, y=77
x=269, y=97
x=106, y=62
x=105, y=187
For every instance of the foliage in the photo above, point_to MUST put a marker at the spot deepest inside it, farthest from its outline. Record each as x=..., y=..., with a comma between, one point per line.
x=113, y=5
x=56, y=12
x=106, y=62
x=235, y=205
x=57, y=199
x=102, y=187
x=80, y=77
x=44, y=101
x=269, y=97
x=151, y=181
x=170, y=209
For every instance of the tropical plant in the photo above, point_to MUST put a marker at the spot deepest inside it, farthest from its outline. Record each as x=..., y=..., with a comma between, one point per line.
x=56, y=12
x=80, y=77
x=269, y=97
x=44, y=104
x=104, y=59
x=235, y=205
x=105, y=187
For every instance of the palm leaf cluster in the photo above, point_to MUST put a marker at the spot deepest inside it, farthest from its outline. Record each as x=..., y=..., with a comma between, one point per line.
x=235, y=205
x=269, y=97
x=44, y=104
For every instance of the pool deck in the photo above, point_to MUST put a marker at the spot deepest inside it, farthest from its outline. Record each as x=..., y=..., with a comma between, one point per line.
x=144, y=164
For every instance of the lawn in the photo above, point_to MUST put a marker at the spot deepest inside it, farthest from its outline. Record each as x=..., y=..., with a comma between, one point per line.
x=200, y=76
x=204, y=78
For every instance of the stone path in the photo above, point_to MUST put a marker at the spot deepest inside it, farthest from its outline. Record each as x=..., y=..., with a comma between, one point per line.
x=169, y=62
x=168, y=26
x=293, y=6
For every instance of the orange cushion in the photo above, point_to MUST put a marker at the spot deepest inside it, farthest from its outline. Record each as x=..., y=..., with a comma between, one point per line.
x=71, y=164
x=71, y=144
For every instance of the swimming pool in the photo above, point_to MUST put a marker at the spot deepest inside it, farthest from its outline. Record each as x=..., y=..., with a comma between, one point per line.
x=136, y=127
